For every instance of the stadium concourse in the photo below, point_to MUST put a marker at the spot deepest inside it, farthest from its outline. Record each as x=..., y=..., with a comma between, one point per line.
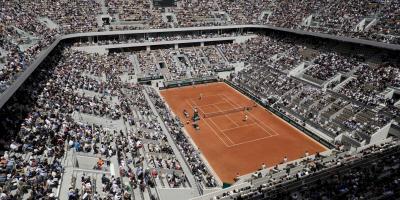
x=85, y=110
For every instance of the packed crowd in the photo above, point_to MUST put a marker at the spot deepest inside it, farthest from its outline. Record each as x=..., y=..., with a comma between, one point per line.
x=291, y=15
x=90, y=186
x=29, y=176
x=141, y=12
x=45, y=119
x=326, y=66
x=175, y=64
x=26, y=20
x=281, y=54
x=22, y=24
x=304, y=103
x=387, y=27
x=367, y=121
x=39, y=131
x=148, y=66
x=92, y=86
x=158, y=38
x=358, y=181
x=13, y=66
x=191, y=154
x=196, y=13
x=266, y=78
x=266, y=82
x=245, y=12
x=88, y=82
x=145, y=155
x=342, y=17
x=18, y=58
x=289, y=60
x=371, y=81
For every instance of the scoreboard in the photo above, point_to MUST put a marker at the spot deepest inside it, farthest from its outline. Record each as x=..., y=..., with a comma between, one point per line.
x=164, y=3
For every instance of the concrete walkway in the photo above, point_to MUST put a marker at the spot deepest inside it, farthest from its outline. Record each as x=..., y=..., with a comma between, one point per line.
x=136, y=65
x=104, y=8
x=49, y=23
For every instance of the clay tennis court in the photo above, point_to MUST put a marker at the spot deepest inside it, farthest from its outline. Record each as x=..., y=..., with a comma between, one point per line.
x=230, y=143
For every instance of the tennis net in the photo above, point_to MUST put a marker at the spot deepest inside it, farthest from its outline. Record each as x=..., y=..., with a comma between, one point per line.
x=213, y=114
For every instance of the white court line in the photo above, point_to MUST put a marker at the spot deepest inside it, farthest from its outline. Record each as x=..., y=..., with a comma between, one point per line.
x=211, y=104
x=220, y=130
x=269, y=128
x=215, y=133
x=233, y=143
x=224, y=110
x=232, y=103
x=206, y=97
x=251, y=141
x=198, y=107
x=195, y=104
x=218, y=108
x=255, y=118
x=236, y=144
x=238, y=126
x=265, y=131
x=191, y=99
x=226, y=99
x=213, y=120
x=226, y=115
x=282, y=120
x=229, y=129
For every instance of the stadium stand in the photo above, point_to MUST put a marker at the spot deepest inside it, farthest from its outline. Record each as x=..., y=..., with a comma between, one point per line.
x=82, y=127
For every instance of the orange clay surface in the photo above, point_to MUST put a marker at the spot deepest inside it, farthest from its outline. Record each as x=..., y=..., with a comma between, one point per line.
x=230, y=144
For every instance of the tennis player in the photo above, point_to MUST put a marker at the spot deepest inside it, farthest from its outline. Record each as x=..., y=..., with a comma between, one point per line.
x=245, y=117
x=185, y=112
